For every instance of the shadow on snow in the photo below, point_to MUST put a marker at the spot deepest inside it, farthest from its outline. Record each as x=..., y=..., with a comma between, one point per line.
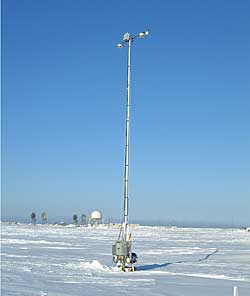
x=155, y=266
x=152, y=266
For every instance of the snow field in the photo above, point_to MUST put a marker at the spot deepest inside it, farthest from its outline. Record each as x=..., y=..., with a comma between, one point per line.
x=56, y=260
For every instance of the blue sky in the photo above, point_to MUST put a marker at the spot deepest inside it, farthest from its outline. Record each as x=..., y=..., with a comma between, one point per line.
x=63, y=109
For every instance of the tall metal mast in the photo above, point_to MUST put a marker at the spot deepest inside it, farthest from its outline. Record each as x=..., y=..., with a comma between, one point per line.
x=127, y=141
x=121, y=250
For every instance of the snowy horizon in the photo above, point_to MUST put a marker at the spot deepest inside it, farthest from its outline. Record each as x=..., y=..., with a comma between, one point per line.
x=143, y=222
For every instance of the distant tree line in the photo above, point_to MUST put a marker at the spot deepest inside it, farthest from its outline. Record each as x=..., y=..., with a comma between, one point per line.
x=84, y=219
x=44, y=218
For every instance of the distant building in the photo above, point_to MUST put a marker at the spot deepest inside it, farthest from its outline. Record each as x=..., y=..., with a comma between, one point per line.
x=96, y=217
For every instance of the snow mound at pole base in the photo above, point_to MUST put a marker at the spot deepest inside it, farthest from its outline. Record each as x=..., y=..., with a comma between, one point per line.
x=90, y=267
x=95, y=265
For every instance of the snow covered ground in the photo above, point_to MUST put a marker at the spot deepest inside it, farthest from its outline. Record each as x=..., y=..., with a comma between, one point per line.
x=56, y=260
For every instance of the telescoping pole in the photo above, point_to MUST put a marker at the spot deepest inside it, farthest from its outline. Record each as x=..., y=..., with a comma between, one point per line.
x=126, y=171
x=121, y=250
x=235, y=291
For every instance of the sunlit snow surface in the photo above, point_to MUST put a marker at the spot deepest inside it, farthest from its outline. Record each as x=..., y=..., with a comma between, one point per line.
x=56, y=260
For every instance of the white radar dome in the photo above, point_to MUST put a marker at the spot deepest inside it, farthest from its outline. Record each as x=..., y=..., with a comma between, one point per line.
x=96, y=215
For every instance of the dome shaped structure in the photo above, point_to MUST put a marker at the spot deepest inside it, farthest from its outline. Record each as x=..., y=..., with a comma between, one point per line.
x=96, y=218
x=96, y=215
